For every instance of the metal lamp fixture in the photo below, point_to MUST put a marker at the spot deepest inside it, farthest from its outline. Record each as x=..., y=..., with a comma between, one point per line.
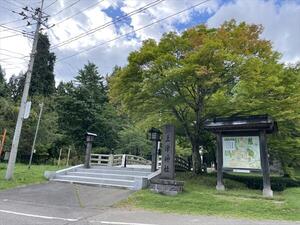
x=154, y=134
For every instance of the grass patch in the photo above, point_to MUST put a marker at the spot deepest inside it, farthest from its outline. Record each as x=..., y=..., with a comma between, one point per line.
x=201, y=198
x=24, y=176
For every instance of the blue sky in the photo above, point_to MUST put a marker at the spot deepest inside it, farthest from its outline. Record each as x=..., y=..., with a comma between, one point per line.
x=76, y=19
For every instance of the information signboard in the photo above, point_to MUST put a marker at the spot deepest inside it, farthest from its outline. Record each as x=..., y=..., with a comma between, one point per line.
x=242, y=152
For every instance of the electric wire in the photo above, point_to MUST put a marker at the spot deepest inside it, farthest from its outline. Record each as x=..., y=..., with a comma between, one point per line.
x=12, y=21
x=80, y=12
x=48, y=6
x=67, y=7
x=13, y=52
x=112, y=22
x=134, y=31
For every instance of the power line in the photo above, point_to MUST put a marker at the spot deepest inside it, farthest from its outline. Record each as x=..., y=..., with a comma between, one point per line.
x=12, y=56
x=134, y=31
x=67, y=7
x=13, y=35
x=50, y=4
x=89, y=7
x=22, y=26
x=12, y=3
x=91, y=31
x=18, y=53
x=12, y=29
x=13, y=21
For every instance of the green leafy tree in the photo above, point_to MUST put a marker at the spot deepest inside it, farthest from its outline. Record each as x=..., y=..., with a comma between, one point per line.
x=134, y=141
x=192, y=76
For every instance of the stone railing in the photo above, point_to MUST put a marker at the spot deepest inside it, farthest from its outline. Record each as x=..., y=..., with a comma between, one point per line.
x=118, y=160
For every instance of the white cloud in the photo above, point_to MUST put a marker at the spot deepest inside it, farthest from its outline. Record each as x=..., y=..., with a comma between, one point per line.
x=281, y=22
x=160, y=11
x=13, y=52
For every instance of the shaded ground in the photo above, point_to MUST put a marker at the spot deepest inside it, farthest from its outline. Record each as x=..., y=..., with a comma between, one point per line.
x=68, y=204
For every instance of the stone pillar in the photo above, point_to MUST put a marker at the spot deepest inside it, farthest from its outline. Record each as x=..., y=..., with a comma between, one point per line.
x=220, y=185
x=87, y=163
x=89, y=139
x=168, y=153
x=267, y=191
x=154, y=156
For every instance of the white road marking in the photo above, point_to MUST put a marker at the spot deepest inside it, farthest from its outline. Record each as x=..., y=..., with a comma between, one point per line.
x=38, y=216
x=118, y=223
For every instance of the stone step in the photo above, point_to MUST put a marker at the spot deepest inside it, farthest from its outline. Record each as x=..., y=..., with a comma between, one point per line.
x=68, y=180
x=96, y=180
x=114, y=171
x=104, y=175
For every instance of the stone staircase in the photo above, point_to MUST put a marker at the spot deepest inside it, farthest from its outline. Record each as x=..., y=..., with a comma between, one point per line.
x=130, y=178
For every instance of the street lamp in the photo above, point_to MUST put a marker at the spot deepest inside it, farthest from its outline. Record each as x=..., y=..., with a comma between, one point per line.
x=154, y=136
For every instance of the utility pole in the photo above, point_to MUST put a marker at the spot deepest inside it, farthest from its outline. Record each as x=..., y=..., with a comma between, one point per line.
x=16, y=138
x=36, y=132
x=69, y=151
x=58, y=162
x=2, y=141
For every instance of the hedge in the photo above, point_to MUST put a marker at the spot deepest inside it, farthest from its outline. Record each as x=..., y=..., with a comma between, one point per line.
x=255, y=182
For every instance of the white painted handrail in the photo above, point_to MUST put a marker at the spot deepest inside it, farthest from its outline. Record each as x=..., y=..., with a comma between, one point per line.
x=118, y=160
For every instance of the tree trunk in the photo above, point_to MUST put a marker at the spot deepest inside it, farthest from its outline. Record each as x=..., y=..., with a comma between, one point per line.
x=196, y=159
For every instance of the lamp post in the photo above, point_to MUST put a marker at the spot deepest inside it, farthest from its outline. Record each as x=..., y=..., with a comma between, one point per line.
x=89, y=139
x=154, y=136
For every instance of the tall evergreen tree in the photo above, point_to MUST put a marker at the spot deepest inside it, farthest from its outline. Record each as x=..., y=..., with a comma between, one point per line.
x=15, y=86
x=3, y=85
x=43, y=82
x=82, y=105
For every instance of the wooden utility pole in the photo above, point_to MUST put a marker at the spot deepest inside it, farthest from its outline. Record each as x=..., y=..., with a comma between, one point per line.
x=2, y=142
x=69, y=151
x=16, y=138
x=58, y=161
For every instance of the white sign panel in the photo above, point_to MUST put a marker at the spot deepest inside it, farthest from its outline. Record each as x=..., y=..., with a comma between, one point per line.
x=27, y=110
x=241, y=152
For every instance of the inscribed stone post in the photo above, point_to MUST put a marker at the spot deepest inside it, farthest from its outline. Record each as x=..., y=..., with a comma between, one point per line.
x=168, y=154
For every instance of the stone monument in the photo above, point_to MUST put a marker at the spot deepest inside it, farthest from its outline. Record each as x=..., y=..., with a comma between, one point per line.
x=165, y=183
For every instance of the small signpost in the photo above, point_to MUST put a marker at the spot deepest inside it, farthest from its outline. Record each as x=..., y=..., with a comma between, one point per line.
x=242, y=146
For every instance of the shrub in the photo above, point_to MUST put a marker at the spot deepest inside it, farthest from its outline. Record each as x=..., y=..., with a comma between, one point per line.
x=256, y=182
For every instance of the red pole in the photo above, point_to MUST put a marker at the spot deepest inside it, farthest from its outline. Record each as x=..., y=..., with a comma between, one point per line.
x=2, y=141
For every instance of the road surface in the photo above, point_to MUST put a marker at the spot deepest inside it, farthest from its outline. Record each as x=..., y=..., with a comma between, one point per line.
x=71, y=204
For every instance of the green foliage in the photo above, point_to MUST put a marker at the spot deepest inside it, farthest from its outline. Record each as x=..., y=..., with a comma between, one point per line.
x=278, y=183
x=42, y=81
x=203, y=73
x=134, y=141
x=25, y=176
x=3, y=84
x=82, y=105
x=201, y=198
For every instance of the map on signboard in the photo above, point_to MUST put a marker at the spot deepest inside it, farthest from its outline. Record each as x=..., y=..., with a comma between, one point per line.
x=241, y=152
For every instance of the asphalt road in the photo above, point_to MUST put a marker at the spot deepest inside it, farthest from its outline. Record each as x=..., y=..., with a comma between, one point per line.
x=71, y=204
